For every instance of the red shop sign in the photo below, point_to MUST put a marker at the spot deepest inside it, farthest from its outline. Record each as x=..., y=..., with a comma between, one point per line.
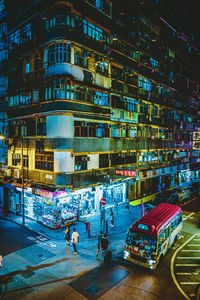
x=126, y=173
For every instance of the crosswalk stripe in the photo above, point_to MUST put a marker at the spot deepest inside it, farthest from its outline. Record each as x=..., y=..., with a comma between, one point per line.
x=192, y=283
x=195, y=273
x=189, y=250
x=193, y=245
x=185, y=257
x=187, y=265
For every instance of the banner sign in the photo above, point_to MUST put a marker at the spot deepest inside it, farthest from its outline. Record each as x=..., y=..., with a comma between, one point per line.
x=126, y=173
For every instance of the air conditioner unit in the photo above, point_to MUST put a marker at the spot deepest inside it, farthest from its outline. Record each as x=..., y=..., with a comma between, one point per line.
x=102, y=38
x=115, y=37
x=99, y=59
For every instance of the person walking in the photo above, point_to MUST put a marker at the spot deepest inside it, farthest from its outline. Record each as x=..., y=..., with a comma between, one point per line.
x=1, y=262
x=127, y=205
x=100, y=237
x=75, y=239
x=67, y=235
x=105, y=245
x=111, y=218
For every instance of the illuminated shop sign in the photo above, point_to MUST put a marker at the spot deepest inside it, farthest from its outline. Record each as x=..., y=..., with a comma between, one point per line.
x=196, y=145
x=196, y=136
x=44, y=193
x=196, y=140
x=127, y=173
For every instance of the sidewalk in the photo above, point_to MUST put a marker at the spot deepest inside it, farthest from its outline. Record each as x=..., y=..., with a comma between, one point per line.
x=50, y=266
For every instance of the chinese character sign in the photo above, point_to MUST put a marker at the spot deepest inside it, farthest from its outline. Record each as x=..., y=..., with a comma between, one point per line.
x=126, y=173
x=196, y=136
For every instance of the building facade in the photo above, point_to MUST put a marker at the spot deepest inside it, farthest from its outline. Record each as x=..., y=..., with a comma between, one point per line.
x=103, y=100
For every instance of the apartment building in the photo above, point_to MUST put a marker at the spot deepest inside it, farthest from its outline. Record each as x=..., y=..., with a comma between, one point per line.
x=103, y=100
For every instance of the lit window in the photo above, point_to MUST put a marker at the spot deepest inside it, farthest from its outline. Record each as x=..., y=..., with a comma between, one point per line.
x=27, y=68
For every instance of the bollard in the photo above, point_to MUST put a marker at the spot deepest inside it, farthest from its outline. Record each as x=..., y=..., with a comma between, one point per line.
x=88, y=229
x=106, y=226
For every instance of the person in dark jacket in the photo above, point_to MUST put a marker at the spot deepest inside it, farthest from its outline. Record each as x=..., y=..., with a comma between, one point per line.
x=67, y=235
x=100, y=237
x=105, y=245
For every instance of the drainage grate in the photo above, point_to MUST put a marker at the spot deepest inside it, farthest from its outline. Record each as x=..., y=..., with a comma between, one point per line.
x=93, y=289
x=28, y=274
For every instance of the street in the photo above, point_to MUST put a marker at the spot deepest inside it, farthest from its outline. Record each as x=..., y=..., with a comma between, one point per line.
x=37, y=268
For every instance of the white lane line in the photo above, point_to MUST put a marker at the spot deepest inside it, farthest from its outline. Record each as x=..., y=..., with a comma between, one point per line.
x=172, y=266
x=195, y=273
x=196, y=240
x=185, y=257
x=192, y=295
x=193, y=245
x=187, y=265
x=192, y=283
x=193, y=250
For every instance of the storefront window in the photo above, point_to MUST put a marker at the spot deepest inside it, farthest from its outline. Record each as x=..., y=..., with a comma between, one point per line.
x=117, y=192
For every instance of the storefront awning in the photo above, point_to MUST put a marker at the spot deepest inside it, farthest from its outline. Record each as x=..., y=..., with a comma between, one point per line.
x=18, y=184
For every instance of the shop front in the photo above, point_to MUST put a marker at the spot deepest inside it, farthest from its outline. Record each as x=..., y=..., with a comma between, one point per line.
x=62, y=208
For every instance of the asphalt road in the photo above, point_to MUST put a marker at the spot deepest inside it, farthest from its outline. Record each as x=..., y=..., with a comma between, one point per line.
x=14, y=237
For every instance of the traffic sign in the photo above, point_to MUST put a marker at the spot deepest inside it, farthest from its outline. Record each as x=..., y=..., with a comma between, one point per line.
x=103, y=201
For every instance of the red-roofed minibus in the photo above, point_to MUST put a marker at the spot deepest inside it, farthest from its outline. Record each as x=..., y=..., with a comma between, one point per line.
x=149, y=238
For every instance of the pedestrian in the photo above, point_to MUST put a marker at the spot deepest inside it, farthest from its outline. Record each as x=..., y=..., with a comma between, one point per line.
x=103, y=215
x=67, y=235
x=100, y=237
x=111, y=218
x=127, y=205
x=1, y=262
x=115, y=205
x=105, y=245
x=75, y=239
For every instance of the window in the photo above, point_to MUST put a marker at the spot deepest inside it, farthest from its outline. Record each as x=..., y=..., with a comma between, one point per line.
x=59, y=52
x=155, y=110
x=101, y=66
x=80, y=59
x=27, y=67
x=41, y=126
x=177, y=220
x=16, y=159
x=103, y=160
x=90, y=129
x=81, y=163
x=144, y=83
x=20, y=36
x=59, y=20
x=44, y=160
x=95, y=32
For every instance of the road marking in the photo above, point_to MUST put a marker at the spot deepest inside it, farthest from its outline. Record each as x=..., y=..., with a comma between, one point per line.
x=190, y=250
x=172, y=266
x=193, y=245
x=190, y=283
x=185, y=257
x=196, y=239
x=187, y=265
x=194, y=273
x=192, y=295
x=186, y=217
